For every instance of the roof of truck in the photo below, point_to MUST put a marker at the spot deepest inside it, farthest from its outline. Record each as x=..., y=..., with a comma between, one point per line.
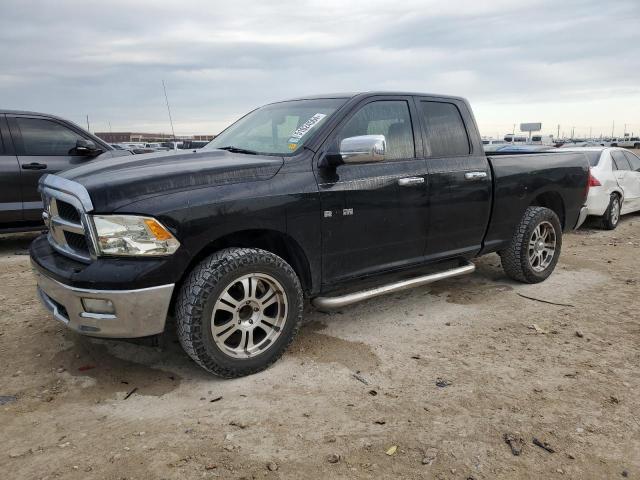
x=369, y=93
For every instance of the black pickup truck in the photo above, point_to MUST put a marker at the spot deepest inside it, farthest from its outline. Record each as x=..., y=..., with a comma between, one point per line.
x=336, y=198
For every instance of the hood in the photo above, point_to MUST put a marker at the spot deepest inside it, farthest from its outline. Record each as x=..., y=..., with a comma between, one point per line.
x=117, y=182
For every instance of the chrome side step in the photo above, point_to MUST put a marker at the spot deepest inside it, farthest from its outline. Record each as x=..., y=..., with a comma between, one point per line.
x=329, y=303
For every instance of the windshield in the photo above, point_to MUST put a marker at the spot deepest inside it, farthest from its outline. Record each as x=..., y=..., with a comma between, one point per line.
x=277, y=129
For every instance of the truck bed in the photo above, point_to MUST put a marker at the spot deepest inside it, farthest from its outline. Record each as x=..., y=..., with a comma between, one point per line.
x=546, y=178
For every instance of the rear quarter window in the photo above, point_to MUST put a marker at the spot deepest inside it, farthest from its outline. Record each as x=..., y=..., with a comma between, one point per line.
x=634, y=161
x=445, y=130
x=620, y=162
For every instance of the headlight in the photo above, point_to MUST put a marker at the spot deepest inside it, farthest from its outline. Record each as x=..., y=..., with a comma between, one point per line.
x=132, y=235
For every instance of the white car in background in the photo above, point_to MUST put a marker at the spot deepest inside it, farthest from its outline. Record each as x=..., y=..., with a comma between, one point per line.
x=627, y=142
x=614, y=185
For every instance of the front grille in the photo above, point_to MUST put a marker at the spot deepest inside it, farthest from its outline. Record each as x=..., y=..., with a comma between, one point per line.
x=77, y=242
x=64, y=216
x=68, y=212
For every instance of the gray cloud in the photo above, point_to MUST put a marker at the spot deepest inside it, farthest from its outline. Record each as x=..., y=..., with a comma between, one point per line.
x=572, y=62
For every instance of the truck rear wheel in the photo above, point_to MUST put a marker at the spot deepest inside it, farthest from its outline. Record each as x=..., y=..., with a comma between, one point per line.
x=238, y=311
x=535, y=247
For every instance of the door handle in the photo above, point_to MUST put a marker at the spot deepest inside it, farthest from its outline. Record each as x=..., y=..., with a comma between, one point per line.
x=34, y=166
x=475, y=175
x=410, y=181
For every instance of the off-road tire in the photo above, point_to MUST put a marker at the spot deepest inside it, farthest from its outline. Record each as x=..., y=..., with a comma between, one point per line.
x=515, y=258
x=201, y=290
x=609, y=222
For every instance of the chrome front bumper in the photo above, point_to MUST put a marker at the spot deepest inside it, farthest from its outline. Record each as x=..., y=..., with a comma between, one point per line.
x=137, y=313
x=584, y=211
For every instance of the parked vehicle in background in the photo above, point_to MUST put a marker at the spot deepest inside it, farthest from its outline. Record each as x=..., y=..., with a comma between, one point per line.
x=581, y=144
x=32, y=145
x=335, y=198
x=171, y=145
x=515, y=138
x=515, y=148
x=490, y=144
x=614, y=183
x=157, y=146
x=628, y=142
x=537, y=139
x=193, y=144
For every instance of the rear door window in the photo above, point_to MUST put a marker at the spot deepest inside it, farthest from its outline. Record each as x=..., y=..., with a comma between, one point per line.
x=445, y=130
x=634, y=161
x=620, y=162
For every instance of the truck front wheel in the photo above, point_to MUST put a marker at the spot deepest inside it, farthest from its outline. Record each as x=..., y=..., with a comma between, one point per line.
x=535, y=246
x=238, y=311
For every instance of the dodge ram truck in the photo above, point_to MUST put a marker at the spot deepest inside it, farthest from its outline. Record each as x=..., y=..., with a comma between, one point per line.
x=334, y=198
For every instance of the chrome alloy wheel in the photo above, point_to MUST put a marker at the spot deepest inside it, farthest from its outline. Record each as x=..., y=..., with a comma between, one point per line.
x=615, y=210
x=542, y=246
x=249, y=315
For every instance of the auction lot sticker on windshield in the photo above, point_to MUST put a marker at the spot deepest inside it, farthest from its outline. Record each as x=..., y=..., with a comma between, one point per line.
x=304, y=129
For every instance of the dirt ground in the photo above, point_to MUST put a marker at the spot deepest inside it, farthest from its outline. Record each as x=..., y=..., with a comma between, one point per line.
x=441, y=372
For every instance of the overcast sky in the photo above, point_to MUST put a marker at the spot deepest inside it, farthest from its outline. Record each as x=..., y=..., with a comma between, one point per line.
x=570, y=62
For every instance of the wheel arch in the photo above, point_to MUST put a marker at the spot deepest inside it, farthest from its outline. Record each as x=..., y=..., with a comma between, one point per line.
x=553, y=201
x=273, y=241
x=618, y=191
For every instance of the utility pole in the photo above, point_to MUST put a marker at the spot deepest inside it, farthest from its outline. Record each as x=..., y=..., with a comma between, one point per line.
x=558, y=131
x=572, y=131
x=613, y=127
x=169, y=110
x=88, y=127
x=590, y=131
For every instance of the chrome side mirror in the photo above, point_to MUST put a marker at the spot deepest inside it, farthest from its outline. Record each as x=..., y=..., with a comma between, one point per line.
x=363, y=149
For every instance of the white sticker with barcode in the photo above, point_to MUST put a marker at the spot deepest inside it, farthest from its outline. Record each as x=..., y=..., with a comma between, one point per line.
x=306, y=126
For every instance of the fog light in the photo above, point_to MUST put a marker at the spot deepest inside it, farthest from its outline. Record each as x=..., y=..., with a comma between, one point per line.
x=98, y=305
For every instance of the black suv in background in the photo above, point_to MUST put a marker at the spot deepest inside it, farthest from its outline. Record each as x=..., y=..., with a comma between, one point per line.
x=31, y=145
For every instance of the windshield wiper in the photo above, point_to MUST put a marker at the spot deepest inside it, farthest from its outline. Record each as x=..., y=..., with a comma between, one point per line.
x=233, y=149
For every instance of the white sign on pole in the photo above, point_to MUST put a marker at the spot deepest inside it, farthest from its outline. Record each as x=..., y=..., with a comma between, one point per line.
x=530, y=127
